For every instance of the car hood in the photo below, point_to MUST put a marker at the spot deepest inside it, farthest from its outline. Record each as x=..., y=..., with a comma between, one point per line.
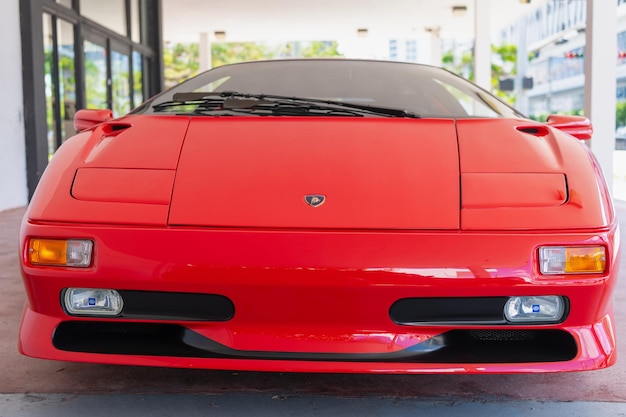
x=332, y=173
x=371, y=173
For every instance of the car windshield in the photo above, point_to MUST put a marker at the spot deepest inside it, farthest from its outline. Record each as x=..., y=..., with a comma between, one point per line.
x=418, y=90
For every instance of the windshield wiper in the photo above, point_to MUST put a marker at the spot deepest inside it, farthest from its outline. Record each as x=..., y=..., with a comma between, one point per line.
x=280, y=105
x=231, y=106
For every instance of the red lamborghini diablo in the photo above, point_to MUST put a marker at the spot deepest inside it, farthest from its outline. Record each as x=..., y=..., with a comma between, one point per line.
x=323, y=216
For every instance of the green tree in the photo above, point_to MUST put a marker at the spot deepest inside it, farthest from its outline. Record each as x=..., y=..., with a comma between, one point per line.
x=503, y=65
x=315, y=49
x=180, y=62
x=620, y=114
x=232, y=52
x=320, y=49
x=462, y=65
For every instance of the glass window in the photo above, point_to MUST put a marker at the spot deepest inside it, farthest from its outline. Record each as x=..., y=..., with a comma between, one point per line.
x=393, y=49
x=95, y=76
x=67, y=77
x=135, y=21
x=621, y=41
x=66, y=3
x=110, y=13
x=419, y=89
x=59, y=79
x=48, y=49
x=137, y=78
x=120, y=77
x=474, y=103
x=411, y=50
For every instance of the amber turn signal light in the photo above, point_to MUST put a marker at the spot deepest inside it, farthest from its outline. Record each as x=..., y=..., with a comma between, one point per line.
x=60, y=252
x=572, y=260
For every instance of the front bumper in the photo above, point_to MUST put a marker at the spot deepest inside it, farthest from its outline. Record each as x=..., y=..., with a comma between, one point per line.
x=319, y=301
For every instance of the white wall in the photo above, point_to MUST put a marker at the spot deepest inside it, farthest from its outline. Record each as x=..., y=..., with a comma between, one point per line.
x=13, y=188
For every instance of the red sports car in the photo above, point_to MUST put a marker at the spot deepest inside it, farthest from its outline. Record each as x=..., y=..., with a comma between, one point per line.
x=323, y=216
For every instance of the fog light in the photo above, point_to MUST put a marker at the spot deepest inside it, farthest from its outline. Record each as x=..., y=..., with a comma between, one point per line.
x=60, y=252
x=541, y=308
x=93, y=302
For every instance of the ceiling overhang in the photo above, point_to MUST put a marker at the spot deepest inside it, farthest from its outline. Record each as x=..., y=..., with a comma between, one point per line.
x=287, y=20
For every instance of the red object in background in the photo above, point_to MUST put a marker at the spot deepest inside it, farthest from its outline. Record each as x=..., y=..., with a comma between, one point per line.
x=429, y=227
x=86, y=119
x=574, y=54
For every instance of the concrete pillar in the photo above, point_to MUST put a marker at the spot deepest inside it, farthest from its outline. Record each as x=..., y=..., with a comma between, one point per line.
x=521, y=102
x=600, y=80
x=204, y=49
x=13, y=188
x=435, y=47
x=482, y=44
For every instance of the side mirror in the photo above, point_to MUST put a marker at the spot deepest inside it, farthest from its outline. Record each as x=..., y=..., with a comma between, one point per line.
x=88, y=118
x=578, y=126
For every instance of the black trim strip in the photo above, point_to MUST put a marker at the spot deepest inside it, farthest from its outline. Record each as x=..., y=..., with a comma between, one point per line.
x=176, y=306
x=459, y=311
x=161, y=305
x=200, y=342
x=455, y=346
x=449, y=311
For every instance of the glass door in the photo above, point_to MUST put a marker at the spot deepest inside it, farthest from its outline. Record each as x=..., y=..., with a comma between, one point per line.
x=137, y=69
x=108, y=81
x=96, y=73
x=60, y=80
x=120, y=80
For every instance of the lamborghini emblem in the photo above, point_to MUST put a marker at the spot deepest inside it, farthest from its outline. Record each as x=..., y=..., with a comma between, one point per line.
x=314, y=200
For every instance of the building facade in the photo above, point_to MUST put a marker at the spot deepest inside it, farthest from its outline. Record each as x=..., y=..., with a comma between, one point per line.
x=13, y=189
x=555, y=44
x=63, y=55
x=83, y=54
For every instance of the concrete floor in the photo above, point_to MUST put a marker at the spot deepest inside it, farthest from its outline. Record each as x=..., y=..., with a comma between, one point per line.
x=33, y=387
